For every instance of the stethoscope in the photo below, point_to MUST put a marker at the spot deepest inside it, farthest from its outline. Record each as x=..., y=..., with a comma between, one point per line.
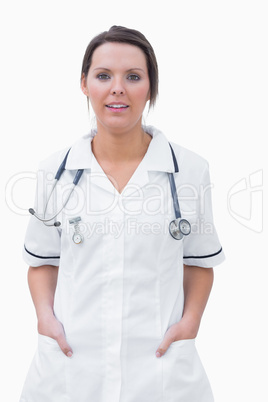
x=178, y=227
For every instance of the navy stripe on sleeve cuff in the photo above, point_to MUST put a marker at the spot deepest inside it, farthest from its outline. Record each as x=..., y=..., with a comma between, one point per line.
x=39, y=256
x=204, y=256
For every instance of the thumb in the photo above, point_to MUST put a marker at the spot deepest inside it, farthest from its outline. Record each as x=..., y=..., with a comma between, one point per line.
x=65, y=347
x=163, y=347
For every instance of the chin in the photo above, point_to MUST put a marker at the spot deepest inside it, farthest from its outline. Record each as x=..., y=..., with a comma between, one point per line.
x=118, y=125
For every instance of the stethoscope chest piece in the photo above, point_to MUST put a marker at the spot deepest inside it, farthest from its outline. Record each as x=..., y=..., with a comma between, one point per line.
x=179, y=228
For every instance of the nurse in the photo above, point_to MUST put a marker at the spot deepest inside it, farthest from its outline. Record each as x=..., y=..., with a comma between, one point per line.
x=119, y=300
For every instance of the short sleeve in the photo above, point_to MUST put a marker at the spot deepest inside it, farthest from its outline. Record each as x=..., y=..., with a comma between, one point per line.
x=42, y=243
x=202, y=247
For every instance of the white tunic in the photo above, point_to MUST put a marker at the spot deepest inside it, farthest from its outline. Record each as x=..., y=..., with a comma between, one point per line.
x=121, y=289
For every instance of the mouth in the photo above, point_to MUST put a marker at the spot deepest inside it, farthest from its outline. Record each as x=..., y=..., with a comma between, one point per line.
x=117, y=106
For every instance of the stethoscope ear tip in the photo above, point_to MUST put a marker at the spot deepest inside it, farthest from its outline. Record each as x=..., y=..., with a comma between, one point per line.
x=32, y=212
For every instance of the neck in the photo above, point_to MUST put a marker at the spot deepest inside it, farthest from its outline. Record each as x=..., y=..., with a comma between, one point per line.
x=116, y=147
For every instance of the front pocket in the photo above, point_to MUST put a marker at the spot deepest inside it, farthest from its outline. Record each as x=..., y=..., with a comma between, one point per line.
x=185, y=346
x=47, y=377
x=184, y=378
x=50, y=342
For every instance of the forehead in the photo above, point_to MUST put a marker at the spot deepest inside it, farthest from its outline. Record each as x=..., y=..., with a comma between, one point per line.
x=114, y=54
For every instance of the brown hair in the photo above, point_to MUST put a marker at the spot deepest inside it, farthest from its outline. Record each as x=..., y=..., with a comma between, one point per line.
x=132, y=37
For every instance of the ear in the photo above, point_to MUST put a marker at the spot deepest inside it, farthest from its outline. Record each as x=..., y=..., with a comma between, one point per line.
x=84, y=85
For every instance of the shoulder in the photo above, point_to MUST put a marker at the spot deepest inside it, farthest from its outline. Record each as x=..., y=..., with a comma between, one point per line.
x=188, y=160
x=193, y=168
x=52, y=162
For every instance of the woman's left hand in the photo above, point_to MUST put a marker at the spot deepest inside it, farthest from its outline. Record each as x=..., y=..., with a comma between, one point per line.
x=184, y=329
x=197, y=284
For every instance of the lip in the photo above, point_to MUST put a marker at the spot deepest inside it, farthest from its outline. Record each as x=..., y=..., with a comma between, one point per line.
x=117, y=109
x=116, y=103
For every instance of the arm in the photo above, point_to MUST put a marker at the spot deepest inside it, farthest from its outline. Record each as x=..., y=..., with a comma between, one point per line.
x=42, y=283
x=197, y=285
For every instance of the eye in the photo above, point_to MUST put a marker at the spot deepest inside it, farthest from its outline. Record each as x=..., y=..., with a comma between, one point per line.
x=133, y=77
x=103, y=76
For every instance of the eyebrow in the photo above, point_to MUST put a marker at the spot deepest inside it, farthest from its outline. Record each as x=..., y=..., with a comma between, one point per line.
x=131, y=69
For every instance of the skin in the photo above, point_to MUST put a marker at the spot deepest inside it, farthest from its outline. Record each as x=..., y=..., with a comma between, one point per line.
x=197, y=285
x=119, y=146
x=118, y=73
x=42, y=283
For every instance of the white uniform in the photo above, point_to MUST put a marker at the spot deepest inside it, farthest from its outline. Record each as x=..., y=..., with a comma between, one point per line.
x=121, y=288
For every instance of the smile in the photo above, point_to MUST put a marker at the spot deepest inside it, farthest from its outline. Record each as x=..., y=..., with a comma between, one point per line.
x=117, y=106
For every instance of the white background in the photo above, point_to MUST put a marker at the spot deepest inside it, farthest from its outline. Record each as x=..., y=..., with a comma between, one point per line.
x=213, y=65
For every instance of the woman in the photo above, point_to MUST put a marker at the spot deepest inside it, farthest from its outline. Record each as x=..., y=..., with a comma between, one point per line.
x=119, y=293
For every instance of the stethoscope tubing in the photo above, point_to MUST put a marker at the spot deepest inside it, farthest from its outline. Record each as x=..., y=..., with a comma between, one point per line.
x=174, y=196
x=174, y=226
x=58, y=175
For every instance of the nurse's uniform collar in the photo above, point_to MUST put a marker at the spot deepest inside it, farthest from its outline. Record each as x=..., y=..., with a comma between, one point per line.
x=157, y=158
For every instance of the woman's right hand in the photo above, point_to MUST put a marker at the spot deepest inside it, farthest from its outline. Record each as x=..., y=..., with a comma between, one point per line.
x=42, y=283
x=48, y=325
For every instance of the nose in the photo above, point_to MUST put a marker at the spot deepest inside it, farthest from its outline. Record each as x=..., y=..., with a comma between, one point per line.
x=117, y=92
x=117, y=88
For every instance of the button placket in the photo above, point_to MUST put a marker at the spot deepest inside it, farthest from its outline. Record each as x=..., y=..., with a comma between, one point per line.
x=112, y=303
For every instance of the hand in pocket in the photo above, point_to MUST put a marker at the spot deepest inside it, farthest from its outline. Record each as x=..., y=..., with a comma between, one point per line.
x=184, y=329
x=48, y=325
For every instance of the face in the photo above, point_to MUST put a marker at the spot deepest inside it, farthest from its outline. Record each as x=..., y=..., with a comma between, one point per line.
x=117, y=86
